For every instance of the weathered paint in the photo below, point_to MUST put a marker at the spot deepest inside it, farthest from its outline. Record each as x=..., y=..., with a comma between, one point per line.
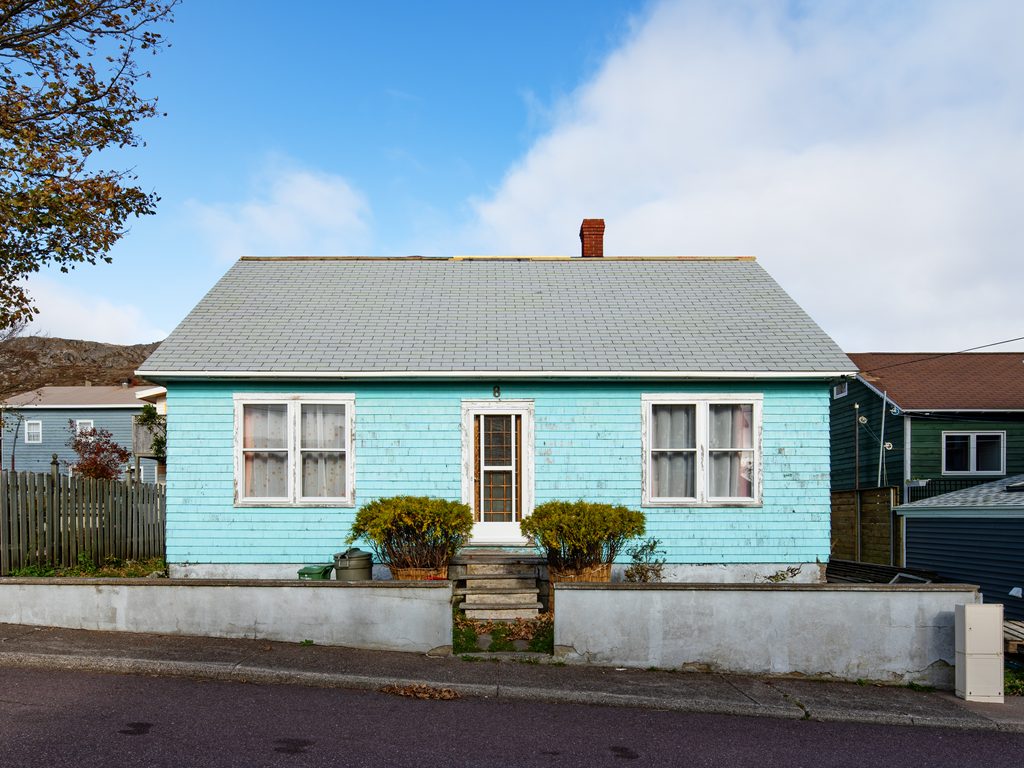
x=587, y=445
x=36, y=457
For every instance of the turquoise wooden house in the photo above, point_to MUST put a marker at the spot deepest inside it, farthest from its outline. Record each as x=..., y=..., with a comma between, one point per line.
x=694, y=389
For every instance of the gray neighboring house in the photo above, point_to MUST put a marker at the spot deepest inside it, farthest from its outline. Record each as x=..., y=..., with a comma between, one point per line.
x=973, y=536
x=35, y=424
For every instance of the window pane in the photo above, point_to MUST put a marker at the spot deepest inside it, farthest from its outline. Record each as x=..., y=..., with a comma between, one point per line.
x=672, y=475
x=958, y=453
x=266, y=474
x=497, y=497
x=731, y=426
x=265, y=427
x=498, y=441
x=323, y=474
x=323, y=426
x=989, y=453
x=672, y=426
x=731, y=474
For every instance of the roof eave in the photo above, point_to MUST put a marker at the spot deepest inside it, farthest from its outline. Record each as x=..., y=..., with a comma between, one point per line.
x=158, y=375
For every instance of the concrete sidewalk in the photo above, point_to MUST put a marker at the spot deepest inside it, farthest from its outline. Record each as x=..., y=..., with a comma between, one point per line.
x=261, y=661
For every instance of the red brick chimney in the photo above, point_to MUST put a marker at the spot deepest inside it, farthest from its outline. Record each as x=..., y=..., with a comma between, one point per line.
x=592, y=238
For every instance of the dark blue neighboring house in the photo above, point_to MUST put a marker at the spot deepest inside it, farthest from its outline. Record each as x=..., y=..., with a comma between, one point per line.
x=973, y=536
x=36, y=425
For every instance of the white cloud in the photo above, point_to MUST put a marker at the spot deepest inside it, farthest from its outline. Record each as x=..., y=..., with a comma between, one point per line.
x=870, y=155
x=290, y=212
x=68, y=314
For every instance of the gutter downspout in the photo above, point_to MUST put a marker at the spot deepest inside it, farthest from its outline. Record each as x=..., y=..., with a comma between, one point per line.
x=881, y=439
x=856, y=478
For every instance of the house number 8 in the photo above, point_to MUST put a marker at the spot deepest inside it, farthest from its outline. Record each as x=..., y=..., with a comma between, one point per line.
x=497, y=391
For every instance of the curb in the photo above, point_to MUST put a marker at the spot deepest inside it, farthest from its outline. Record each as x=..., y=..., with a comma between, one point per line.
x=238, y=673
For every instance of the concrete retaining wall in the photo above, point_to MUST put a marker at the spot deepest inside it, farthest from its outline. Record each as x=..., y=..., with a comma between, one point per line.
x=398, y=616
x=849, y=632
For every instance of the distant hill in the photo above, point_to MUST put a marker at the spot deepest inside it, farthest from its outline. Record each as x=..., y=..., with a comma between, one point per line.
x=28, y=362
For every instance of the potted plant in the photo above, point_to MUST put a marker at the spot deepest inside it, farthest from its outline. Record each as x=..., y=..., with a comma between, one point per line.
x=414, y=536
x=581, y=538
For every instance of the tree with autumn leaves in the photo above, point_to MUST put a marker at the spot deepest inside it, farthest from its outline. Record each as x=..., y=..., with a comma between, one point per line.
x=98, y=455
x=69, y=73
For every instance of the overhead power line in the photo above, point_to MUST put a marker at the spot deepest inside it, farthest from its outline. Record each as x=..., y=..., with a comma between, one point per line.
x=943, y=354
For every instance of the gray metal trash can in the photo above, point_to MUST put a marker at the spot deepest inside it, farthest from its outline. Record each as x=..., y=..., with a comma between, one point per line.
x=353, y=565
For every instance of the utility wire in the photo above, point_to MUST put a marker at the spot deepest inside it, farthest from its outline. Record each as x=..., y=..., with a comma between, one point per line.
x=943, y=354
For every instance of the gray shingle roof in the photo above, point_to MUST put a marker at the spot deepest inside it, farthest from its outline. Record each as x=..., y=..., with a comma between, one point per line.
x=992, y=494
x=388, y=315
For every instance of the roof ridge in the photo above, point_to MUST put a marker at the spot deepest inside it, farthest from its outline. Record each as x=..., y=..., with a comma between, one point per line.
x=577, y=259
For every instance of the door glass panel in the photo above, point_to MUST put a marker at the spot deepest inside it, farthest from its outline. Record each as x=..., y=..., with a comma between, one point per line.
x=958, y=453
x=497, y=496
x=498, y=440
x=989, y=453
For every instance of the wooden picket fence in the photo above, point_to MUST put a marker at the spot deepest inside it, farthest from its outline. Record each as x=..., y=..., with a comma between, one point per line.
x=50, y=520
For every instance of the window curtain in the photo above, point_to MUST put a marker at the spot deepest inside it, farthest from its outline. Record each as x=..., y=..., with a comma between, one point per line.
x=265, y=449
x=323, y=450
x=731, y=454
x=673, y=451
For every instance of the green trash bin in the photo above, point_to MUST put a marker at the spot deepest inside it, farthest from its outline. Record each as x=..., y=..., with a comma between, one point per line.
x=316, y=572
x=353, y=565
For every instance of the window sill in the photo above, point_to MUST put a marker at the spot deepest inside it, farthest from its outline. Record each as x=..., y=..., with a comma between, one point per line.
x=293, y=504
x=973, y=474
x=682, y=504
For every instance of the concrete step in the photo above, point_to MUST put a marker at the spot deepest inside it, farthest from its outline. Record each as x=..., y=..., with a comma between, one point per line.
x=490, y=569
x=501, y=612
x=500, y=581
x=500, y=598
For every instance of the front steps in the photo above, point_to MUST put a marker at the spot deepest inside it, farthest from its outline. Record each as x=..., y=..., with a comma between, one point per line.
x=497, y=586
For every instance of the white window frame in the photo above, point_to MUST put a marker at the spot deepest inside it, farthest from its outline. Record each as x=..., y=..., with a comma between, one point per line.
x=294, y=402
x=29, y=425
x=491, y=531
x=83, y=424
x=842, y=389
x=972, y=459
x=701, y=403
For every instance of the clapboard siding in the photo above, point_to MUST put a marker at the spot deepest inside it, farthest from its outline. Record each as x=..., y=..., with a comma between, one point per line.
x=587, y=445
x=926, y=440
x=36, y=457
x=972, y=550
x=844, y=428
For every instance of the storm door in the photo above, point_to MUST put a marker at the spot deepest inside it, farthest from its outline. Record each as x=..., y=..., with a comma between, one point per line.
x=498, y=476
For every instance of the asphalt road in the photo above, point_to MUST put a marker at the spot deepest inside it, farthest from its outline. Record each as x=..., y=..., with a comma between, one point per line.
x=54, y=719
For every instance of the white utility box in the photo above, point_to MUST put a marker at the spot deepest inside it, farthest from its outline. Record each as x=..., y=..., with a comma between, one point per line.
x=979, y=652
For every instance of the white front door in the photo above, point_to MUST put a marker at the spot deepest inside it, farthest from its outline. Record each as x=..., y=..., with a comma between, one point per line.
x=497, y=467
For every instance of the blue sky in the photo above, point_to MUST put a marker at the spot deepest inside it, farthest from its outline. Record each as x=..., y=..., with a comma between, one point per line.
x=871, y=157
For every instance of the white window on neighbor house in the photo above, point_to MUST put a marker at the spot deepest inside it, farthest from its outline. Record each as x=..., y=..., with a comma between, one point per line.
x=701, y=449
x=294, y=450
x=33, y=431
x=974, y=453
x=81, y=425
x=840, y=390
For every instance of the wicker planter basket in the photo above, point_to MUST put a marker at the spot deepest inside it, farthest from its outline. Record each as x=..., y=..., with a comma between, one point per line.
x=420, y=574
x=599, y=572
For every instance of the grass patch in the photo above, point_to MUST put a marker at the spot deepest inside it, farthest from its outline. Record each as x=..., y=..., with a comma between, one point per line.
x=111, y=567
x=920, y=687
x=464, y=640
x=500, y=641
x=1013, y=683
x=539, y=633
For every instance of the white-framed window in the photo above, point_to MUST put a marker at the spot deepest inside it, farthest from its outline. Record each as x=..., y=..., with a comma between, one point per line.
x=974, y=453
x=81, y=425
x=701, y=449
x=294, y=450
x=33, y=432
x=840, y=390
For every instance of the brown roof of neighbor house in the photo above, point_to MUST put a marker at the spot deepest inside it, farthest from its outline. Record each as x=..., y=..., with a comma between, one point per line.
x=961, y=381
x=77, y=397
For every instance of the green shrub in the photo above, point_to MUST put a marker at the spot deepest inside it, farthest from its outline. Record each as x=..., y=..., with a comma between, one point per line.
x=580, y=534
x=413, y=531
